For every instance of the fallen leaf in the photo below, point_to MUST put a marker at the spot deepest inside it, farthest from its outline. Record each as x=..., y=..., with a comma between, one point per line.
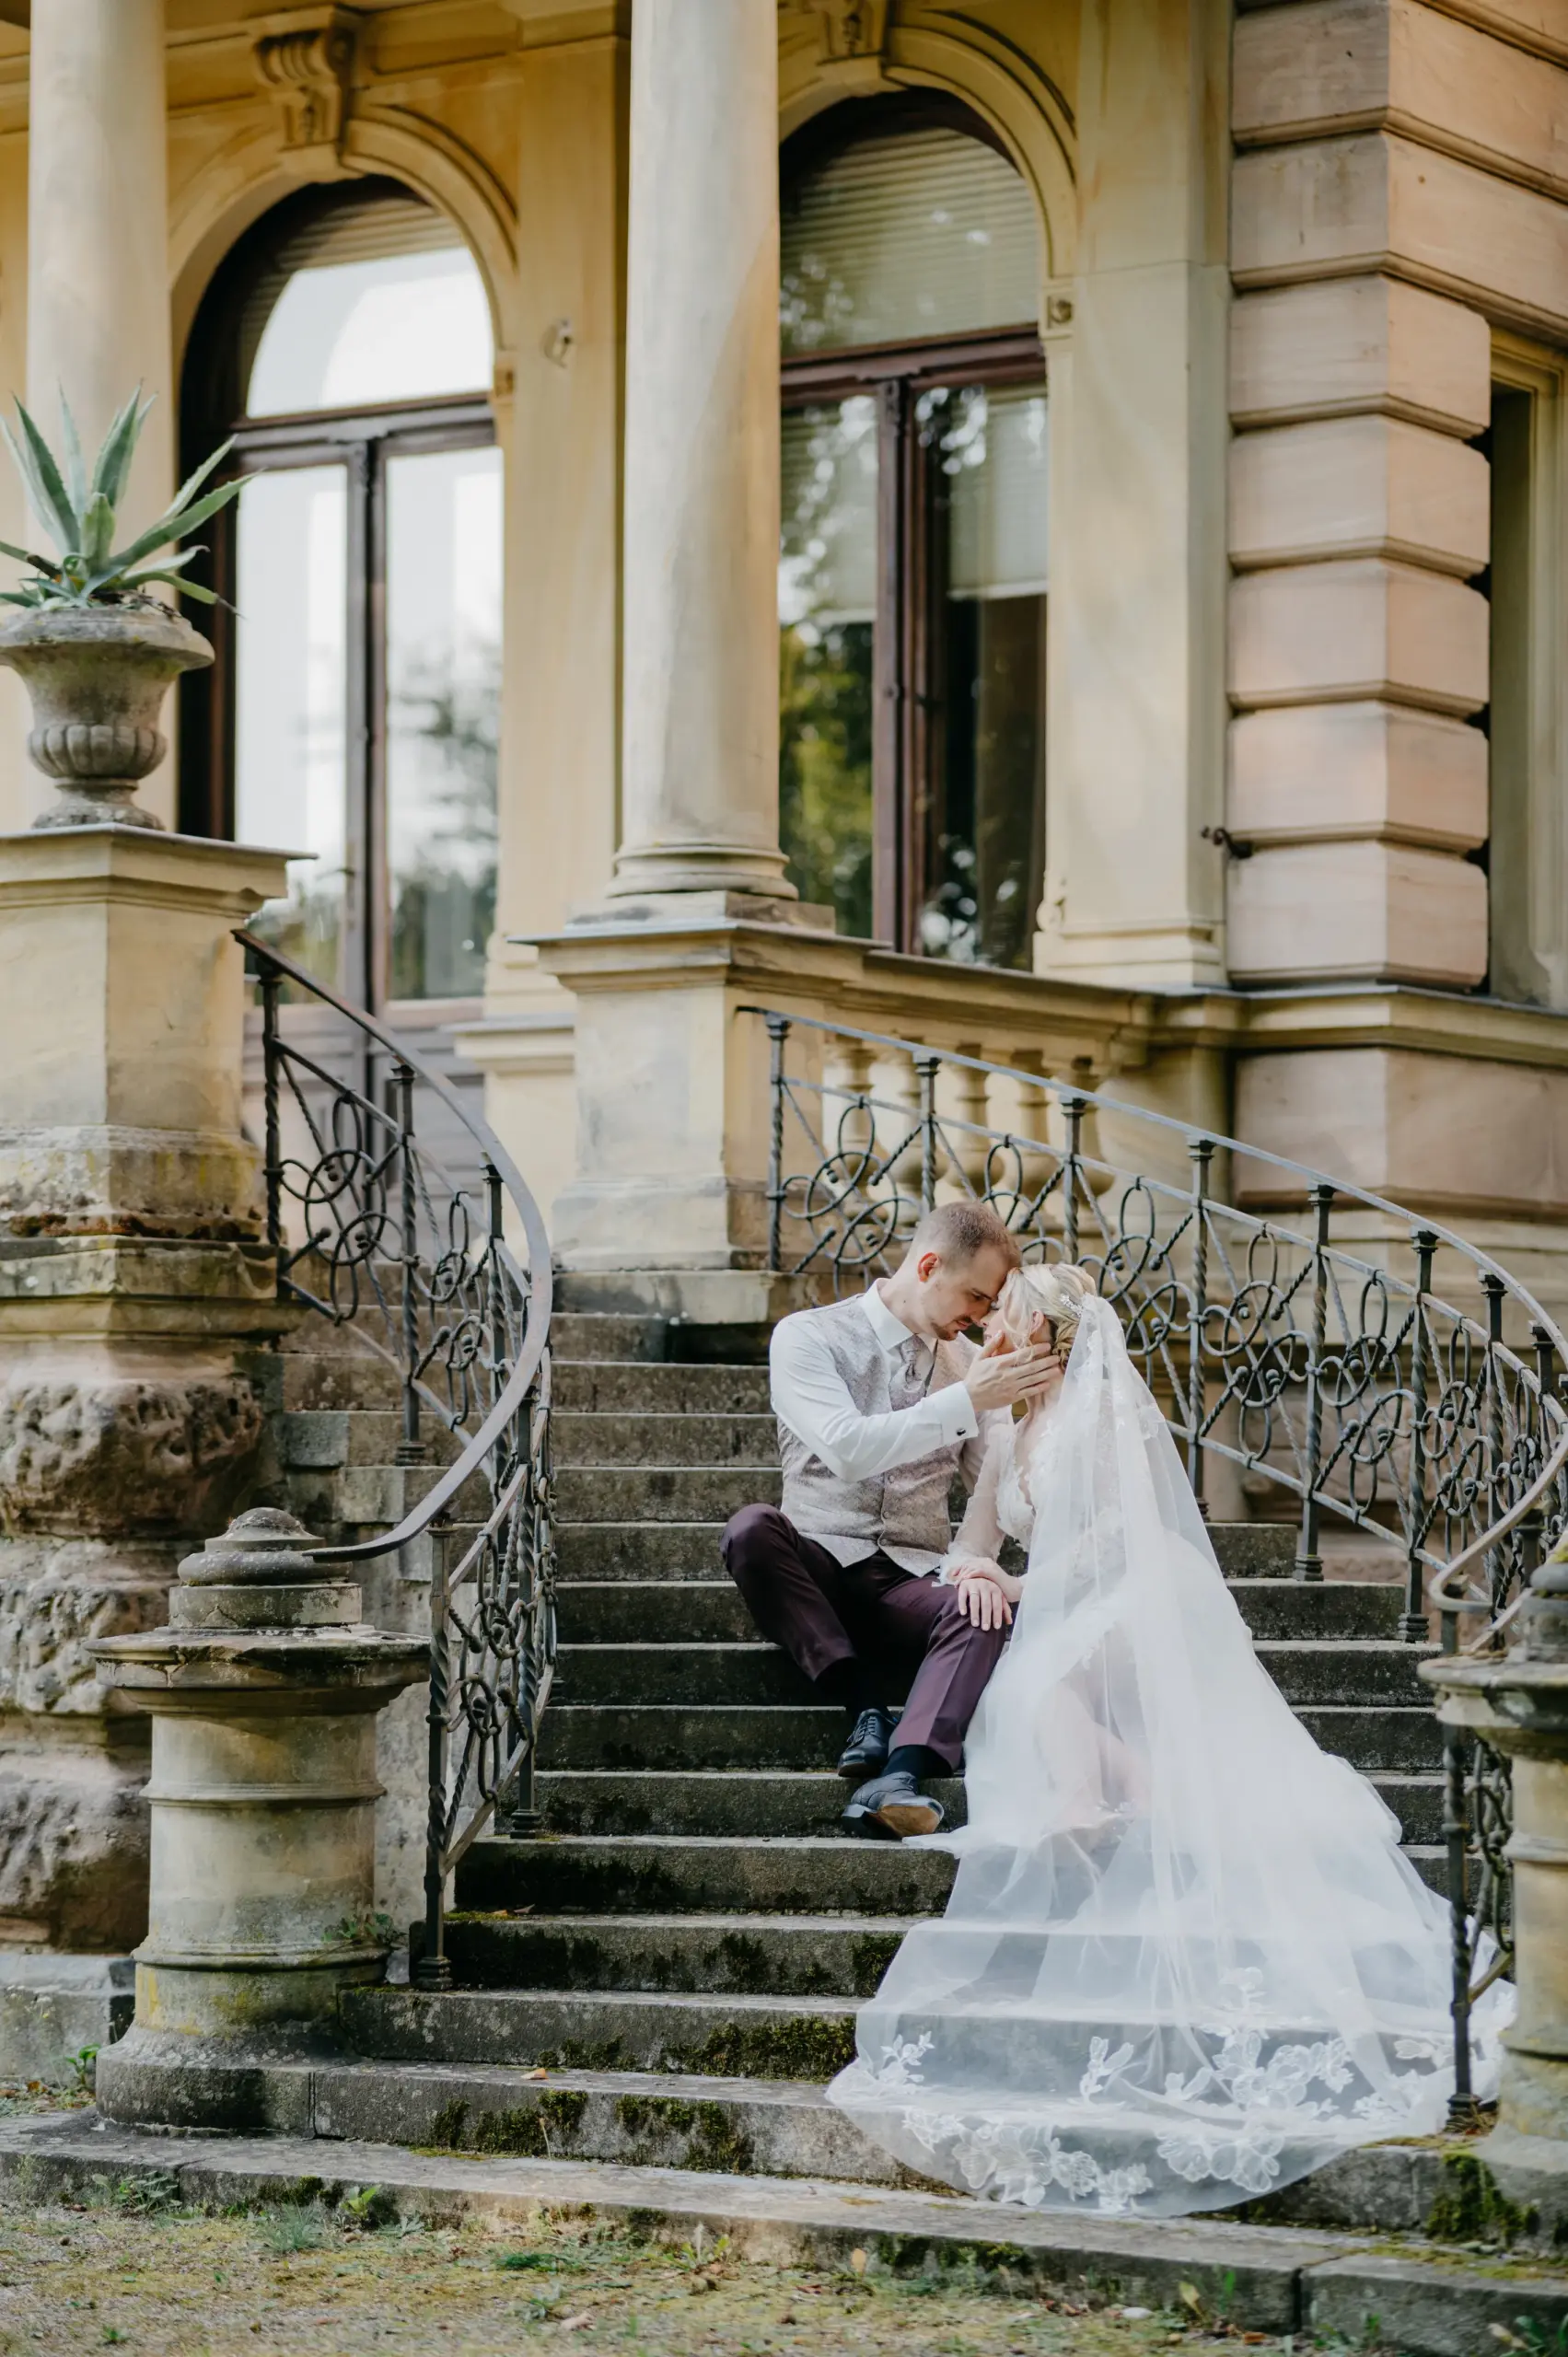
x=575, y=2324
x=536, y=2074
x=858, y=2262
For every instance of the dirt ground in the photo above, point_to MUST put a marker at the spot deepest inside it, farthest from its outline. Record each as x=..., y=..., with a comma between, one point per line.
x=130, y=2268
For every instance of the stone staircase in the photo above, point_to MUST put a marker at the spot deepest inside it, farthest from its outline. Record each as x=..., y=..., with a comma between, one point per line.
x=668, y=1973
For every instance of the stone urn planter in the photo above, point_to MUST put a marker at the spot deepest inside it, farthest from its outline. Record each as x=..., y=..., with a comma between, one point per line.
x=98, y=677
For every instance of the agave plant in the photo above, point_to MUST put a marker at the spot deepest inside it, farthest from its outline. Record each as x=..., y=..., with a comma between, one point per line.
x=78, y=512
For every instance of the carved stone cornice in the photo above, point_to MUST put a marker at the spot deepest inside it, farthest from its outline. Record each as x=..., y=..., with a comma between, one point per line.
x=308, y=68
x=850, y=28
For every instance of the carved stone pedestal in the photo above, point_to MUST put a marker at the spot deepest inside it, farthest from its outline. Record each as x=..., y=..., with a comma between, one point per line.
x=1519, y=1704
x=137, y=1302
x=263, y=1691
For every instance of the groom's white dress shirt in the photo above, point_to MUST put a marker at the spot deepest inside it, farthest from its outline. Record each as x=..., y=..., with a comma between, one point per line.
x=811, y=1396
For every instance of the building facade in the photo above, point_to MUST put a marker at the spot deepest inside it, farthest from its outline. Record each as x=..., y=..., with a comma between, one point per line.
x=1173, y=497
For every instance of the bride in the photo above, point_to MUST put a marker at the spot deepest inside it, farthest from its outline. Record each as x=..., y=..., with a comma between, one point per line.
x=1185, y=1960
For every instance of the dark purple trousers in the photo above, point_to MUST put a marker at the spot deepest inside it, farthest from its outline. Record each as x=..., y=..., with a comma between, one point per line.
x=822, y=1611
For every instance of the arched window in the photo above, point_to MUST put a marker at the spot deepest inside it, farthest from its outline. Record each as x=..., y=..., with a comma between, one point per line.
x=913, y=568
x=353, y=710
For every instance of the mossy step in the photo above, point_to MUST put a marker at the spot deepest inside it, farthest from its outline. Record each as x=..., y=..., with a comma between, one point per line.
x=1270, y=2281
x=677, y=1735
x=602, y=1547
x=736, y=2037
x=775, y=1801
x=685, y=1438
x=791, y=1955
x=1323, y=1671
x=597, y=1336
x=661, y=1874
x=729, y=1801
x=1400, y=1739
x=601, y=1387
x=712, y=1610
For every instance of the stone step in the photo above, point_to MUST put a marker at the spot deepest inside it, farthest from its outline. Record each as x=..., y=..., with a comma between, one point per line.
x=712, y=1610
x=678, y=1549
x=337, y=1379
x=728, y=2037
x=787, y=1803
x=791, y=1955
x=667, y=2120
x=591, y=1387
x=1319, y=1670
x=709, y=1440
x=326, y=1438
x=1277, y=2281
x=601, y=1337
x=670, y=1875
x=377, y=1496
x=620, y=1493
x=1405, y=1740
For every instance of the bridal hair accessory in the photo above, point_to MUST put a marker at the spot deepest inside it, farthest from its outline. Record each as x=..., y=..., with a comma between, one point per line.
x=1057, y=1291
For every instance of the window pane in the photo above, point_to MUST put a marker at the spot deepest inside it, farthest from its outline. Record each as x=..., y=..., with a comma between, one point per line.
x=443, y=716
x=290, y=699
x=375, y=303
x=930, y=233
x=984, y=817
x=827, y=596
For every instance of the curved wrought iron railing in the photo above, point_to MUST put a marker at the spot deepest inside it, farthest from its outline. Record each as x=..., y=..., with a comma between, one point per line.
x=1321, y=1358
x=415, y=1265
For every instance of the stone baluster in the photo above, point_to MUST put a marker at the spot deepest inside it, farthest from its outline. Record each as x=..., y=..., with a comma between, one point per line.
x=263, y=1689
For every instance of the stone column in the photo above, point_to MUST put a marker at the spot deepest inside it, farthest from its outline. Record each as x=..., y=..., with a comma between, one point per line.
x=700, y=713
x=264, y=1689
x=98, y=241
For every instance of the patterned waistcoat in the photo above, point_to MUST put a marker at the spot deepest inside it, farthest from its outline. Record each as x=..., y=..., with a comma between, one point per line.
x=907, y=1507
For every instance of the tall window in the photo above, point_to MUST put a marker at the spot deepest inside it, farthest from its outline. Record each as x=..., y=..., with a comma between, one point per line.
x=352, y=710
x=913, y=579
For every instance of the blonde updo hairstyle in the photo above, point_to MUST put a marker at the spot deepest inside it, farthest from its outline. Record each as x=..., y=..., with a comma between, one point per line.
x=1057, y=1291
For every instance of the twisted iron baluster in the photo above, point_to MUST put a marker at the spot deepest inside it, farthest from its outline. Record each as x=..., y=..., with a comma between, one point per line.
x=926, y=1069
x=432, y=1969
x=270, y=981
x=1412, y=1620
x=1309, y=1560
x=778, y=1033
x=411, y=1448
x=1203, y=1153
x=1072, y=1107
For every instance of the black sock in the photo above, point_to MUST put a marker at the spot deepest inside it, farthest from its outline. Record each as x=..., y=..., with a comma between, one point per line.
x=849, y=1683
x=914, y=1759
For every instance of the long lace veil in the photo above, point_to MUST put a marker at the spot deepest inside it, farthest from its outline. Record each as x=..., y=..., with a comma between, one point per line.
x=1185, y=1960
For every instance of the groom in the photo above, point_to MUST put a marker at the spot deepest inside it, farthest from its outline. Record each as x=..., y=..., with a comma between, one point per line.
x=881, y=1400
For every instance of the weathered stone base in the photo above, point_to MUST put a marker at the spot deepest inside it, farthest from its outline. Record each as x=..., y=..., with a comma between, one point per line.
x=54, y=2008
x=1260, y=2279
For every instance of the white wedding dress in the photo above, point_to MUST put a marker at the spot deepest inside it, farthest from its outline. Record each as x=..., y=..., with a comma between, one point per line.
x=1184, y=1961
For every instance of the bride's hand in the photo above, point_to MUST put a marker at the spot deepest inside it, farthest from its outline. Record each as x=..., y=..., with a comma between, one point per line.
x=986, y=1593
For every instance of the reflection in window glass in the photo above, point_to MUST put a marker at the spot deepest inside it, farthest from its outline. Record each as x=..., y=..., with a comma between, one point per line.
x=291, y=700
x=984, y=815
x=443, y=715
x=827, y=598
x=344, y=334
x=926, y=233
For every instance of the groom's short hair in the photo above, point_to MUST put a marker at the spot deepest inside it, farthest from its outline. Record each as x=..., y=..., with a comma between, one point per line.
x=960, y=1231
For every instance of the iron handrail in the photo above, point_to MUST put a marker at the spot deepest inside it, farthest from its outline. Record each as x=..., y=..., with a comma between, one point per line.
x=1317, y=1185
x=505, y=1642
x=1411, y=1406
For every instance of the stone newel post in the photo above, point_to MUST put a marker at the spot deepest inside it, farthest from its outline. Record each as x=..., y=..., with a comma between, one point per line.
x=1518, y=1703
x=264, y=1689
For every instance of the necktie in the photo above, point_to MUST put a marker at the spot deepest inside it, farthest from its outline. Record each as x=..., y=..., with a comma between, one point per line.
x=912, y=1374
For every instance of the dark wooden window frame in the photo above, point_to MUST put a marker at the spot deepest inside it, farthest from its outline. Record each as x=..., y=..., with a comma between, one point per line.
x=364, y=442
x=907, y=625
